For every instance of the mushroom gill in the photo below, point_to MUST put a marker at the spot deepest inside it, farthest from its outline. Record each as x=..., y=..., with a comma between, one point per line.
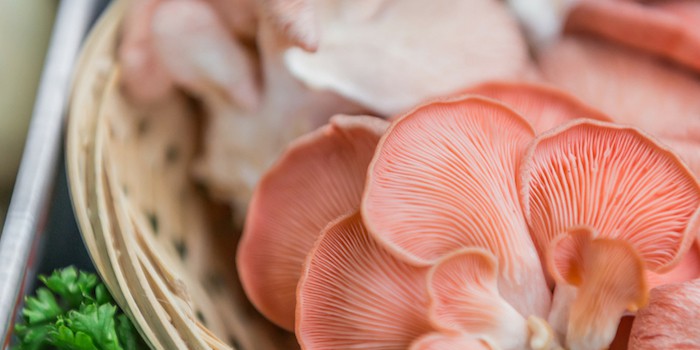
x=463, y=289
x=317, y=179
x=665, y=28
x=391, y=55
x=354, y=294
x=442, y=341
x=631, y=88
x=619, y=183
x=443, y=178
x=609, y=276
x=687, y=269
x=671, y=320
x=544, y=107
x=616, y=180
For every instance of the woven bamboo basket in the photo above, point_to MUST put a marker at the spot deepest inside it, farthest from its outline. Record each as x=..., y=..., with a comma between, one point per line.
x=163, y=250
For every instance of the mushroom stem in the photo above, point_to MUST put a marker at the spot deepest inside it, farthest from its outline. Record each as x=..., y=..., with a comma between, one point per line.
x=564, y=295
x=542, y=335
x=465, y=298
x=610, y=277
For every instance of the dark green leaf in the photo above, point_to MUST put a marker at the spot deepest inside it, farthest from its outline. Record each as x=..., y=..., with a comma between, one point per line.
x=66, y=338
x=98, y=323
x=33, y=338
x=42, y=308
x=75, y=312
x=74, y=287
x=129, y=338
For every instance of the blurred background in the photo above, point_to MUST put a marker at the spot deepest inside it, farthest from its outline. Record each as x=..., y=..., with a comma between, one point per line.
x=25, y=29
x=25, y=35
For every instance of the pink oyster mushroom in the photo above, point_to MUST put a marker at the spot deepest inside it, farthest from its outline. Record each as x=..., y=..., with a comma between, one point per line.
x=672, y=319
x=355, y=294
x=632, y=88
x=318, y=178
x=664, y=28
x=443, y=178
x=635, y=89
x=624, y=187
x=357, y=288
x=543, y=106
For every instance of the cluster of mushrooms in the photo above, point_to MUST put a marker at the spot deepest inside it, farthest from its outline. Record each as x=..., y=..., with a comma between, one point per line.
x=449, y=227
x=543, y=194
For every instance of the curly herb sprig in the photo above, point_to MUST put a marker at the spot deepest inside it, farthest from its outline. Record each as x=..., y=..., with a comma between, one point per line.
x=74, y=311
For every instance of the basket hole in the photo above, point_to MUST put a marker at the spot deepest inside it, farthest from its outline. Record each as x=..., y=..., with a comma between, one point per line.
x=181, y=248
x=172, y=154
x=200, y=317
x=234, y=343
x=215, y=282
x=143, y=126
x=153, y=220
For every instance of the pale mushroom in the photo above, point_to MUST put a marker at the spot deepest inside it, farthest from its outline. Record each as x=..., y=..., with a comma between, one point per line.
x=200, y=54
x=542, y=19
x=240, y=17
x=543, y=106
x=295, y=20
x=318, y=178
x=391, y=55
x=240, y=145
x=443, y=178
x=354, y=294
x=143, y=76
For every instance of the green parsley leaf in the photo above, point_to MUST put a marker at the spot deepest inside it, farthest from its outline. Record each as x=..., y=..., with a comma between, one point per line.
x=42, y=308
x=74, y=312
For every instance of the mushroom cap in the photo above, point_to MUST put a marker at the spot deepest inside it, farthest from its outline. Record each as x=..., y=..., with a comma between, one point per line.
x=543, y=106
x=143, y=75
x=671, y=320
x=442, y=341
x=463, y=289
x=318, y=178
x=610, y=278
x=199, y=53
x=240, y=145
x=616, y=180
x=392, y=55
x=354, y=294
x=443, y=178
x=240, y=17
x=632, y=88
x=665, y=28
x=295, y=20
x=687, y=269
